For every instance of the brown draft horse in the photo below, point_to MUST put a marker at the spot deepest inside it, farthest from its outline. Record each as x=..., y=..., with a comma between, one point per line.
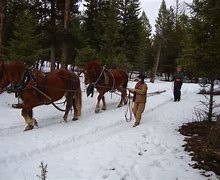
x=105, y=80
x=11, y=72
x=45, y=89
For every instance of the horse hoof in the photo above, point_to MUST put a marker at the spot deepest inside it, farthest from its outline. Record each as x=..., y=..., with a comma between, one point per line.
x=119, y=105
x=104, y=108
x=136, y=124
x=97, y=110
x=28, y=127
x=75, y=119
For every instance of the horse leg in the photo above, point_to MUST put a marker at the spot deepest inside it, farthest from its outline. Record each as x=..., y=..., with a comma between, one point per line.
x=121, y=101
x=123, y=97
x=27, y=114
x=77, y=104
x=68, y=106
x=97, y=109
x=76, y=113
x=104, y=104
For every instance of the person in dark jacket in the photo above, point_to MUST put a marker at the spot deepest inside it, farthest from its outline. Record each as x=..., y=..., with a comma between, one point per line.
x=140, y=97
x=178, y=81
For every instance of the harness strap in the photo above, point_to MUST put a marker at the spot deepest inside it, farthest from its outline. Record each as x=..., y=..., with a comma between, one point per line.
x=48, y=97
x=113, y=83
x=96, y=82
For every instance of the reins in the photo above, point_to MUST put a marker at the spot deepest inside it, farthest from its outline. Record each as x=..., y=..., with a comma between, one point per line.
x=128, y=112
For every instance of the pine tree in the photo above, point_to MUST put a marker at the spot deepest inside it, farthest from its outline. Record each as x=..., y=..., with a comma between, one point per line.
x=147, y=63
x=102, y=33
x=14, y=8
x=3, y=5
x=25, y=45
x=201, y=52
x=168, y=38
x=111, y=51
x=90, y=25
x=132, y=29
x=159, y=38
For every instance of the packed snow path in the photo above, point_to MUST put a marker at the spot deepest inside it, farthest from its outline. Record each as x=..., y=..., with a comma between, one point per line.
x=100, y=146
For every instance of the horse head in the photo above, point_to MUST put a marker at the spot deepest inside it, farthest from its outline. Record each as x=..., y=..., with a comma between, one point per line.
x=91, y=72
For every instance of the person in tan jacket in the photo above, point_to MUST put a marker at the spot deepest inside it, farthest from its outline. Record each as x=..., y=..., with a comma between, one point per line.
x=140, y=97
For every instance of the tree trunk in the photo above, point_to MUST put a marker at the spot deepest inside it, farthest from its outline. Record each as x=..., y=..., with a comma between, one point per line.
x=2, y=25
x=52, y=46
x=156, y=64
x=211, y=100
x=64, y=55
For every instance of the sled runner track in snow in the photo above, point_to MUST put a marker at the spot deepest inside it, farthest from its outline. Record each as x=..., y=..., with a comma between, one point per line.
x=161, y=104
x=42, y=122
x=96, y=134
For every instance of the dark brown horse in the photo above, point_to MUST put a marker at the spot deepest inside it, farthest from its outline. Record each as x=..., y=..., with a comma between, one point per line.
x=105, y=80
x=11, y=72
x=45, y=89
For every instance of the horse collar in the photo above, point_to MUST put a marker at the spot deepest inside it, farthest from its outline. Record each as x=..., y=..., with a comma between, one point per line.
x=27, y=77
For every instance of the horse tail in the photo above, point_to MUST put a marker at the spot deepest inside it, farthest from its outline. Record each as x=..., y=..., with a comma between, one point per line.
x=126, y=79
x=78, y=100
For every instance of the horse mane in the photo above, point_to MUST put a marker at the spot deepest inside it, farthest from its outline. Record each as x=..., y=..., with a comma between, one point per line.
x=38, y=75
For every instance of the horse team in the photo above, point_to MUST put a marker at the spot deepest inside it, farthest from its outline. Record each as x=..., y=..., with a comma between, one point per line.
x=36, y=88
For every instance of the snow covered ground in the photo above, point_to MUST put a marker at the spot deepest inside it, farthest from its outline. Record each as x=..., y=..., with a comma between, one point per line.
x=101, y=146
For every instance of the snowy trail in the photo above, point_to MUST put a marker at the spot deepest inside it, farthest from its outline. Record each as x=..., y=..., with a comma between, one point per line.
x=101, y=146
x=111, y=128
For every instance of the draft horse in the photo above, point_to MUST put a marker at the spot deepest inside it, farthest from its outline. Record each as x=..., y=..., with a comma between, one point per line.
x=43, y=89
x=105, y=80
